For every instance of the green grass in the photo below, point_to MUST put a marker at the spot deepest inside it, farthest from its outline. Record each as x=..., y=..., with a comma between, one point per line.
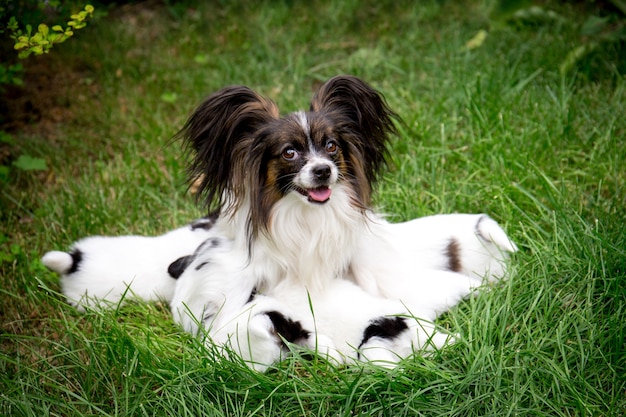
x=496, y=129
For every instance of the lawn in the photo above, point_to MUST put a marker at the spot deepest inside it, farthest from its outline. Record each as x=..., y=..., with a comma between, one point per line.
x=491, y=125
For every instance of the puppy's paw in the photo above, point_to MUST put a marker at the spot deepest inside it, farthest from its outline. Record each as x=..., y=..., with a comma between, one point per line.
x=61, y=262
x=381, y=352
x=257, y=343
x=324, y=347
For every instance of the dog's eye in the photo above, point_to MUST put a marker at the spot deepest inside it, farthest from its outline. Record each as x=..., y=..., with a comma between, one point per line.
x=331, y=147
x=290, y=154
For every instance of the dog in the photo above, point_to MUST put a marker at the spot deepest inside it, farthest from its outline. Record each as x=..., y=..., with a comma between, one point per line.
x=296, y=256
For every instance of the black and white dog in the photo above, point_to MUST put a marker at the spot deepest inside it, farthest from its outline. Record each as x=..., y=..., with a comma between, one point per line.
x=295, y=254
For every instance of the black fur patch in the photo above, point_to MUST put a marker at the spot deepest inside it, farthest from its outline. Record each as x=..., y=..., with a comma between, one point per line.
x=77, y=258
x=208, y=318
x=289, y=330
x=205, y=223
x=176, y=268
x=453, y=252
x=212, y=242
x=385, y=327
x=201, y=265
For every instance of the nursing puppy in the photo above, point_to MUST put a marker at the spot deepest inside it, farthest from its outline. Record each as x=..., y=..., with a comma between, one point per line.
x=296, y=254
x=106, y=269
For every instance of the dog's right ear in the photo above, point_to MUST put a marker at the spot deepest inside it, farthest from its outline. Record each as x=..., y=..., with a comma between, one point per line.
x=218, y=135
x=365, y=113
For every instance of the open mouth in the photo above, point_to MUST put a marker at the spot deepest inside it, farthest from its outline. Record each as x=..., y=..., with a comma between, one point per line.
x=318, y=195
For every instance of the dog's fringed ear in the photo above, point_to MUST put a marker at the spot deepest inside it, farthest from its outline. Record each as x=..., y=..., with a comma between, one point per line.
x=368, y=116
x=218, y=135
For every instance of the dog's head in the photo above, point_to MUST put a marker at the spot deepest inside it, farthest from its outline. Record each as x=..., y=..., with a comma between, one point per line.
x=243, y=149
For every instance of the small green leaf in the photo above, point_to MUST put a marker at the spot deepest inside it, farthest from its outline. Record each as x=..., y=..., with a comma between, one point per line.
x=6, y=138
x=4, y=173
x=201, y=58
x=169, y=97
x=12, y=25
x=477, y=40
x=575, y=56
x=594, y=25
x=28, y=163
x=43, y=29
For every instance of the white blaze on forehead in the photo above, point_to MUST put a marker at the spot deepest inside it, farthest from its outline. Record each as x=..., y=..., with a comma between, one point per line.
x=304, y=123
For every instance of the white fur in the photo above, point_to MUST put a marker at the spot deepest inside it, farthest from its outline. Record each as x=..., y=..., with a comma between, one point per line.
x=59, y=262
x=308, y=243
x=300, y=116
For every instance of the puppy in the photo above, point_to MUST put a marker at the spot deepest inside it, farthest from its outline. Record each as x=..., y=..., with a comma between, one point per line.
x=105, y=269
x=296, y=254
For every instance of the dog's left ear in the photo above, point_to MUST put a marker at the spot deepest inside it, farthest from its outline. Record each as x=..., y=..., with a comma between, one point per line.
x=367, y=114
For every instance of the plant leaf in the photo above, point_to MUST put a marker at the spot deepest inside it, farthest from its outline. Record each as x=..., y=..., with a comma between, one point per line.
x=594, y=25
x=201, y=58
x=169, y=97
x=477, y=40
x=28, y=163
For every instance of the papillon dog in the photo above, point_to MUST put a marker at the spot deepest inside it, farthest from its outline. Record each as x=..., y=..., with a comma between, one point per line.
x=296, y=256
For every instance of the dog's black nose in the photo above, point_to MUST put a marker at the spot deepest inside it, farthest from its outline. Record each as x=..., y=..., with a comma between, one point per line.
x=321, y=172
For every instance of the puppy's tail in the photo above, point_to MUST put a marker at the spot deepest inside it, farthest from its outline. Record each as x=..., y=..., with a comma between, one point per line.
x=62, y=262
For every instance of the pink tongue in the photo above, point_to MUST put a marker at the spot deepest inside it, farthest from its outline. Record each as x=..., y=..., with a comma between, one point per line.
x=320, y=194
